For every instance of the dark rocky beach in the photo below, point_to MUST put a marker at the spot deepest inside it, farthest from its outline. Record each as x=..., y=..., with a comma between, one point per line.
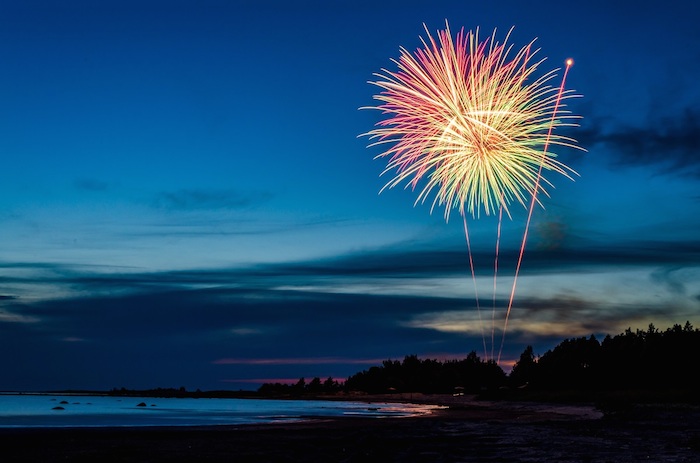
x=466, y=430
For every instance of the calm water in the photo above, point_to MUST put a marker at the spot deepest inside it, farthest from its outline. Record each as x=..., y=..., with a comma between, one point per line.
x=27, y=410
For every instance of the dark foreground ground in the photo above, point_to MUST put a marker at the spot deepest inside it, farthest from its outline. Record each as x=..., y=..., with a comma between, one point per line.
x=466, y=432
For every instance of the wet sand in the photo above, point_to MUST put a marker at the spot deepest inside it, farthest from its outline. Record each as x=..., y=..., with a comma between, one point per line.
x=466, y=431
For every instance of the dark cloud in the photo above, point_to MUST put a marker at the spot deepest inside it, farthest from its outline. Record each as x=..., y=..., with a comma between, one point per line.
x=194, y=199
x=566, y=308
x=389, y=262
x=671, y=142
x=399, y=262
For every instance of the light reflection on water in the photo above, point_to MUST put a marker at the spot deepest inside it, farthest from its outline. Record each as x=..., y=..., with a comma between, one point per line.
x=38, y=410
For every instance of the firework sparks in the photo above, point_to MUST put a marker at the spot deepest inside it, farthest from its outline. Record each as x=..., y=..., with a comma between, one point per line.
x=470, y=120
x=474, y=126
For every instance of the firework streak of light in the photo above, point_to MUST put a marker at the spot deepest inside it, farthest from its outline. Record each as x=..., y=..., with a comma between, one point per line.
x=474, y=127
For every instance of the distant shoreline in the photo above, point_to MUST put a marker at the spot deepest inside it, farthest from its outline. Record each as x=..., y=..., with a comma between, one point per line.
x=468, y=430
x=405, y=397
x=601, y=399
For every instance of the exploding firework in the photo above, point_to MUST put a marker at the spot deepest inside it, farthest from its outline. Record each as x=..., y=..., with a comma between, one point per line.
x=470, y=124
x=472, y=121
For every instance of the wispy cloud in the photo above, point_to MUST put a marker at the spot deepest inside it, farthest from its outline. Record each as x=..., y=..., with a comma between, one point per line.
x=246, y=331
x=196, y=199
x=89, y=184
x=298, y=361
x=7, y=316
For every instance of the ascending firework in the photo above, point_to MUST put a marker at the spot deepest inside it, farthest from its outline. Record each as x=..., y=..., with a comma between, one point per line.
x=473, y=125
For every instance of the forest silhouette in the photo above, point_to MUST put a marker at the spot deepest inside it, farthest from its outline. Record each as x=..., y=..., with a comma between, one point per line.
x=643, y=362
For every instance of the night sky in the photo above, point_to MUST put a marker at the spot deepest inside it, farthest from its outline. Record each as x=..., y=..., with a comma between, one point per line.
x=186, y=200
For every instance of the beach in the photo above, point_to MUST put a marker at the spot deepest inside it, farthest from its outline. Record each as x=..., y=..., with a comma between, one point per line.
x=465, y=430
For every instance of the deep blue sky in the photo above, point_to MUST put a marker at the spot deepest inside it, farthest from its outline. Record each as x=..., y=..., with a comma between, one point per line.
x=185, y=200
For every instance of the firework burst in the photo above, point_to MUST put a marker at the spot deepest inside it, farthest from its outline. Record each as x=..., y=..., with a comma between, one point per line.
x=471, y=119
x=472, y=123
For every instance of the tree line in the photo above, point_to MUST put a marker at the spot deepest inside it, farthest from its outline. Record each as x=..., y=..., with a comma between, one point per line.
x=641, y=360
x=650, y=360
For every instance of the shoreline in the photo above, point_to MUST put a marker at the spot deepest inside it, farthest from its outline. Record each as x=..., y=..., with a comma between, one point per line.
x=467, y=430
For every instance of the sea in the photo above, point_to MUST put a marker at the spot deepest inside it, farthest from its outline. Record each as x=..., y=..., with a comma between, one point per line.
x=65, y=410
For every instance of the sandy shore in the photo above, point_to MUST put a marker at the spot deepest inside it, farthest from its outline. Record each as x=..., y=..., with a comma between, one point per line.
x=467, y=431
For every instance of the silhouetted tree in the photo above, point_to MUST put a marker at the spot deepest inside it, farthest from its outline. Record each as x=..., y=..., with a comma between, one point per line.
x=524, y=370
x=299, y=386
x=570, y=365
x=315, y=386
x=330, y=385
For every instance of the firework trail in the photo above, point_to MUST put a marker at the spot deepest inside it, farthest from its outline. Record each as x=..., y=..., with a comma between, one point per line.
x=471, y=123
x=569, y=63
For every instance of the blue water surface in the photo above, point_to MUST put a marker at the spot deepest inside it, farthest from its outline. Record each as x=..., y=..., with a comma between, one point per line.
x=44, y=410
